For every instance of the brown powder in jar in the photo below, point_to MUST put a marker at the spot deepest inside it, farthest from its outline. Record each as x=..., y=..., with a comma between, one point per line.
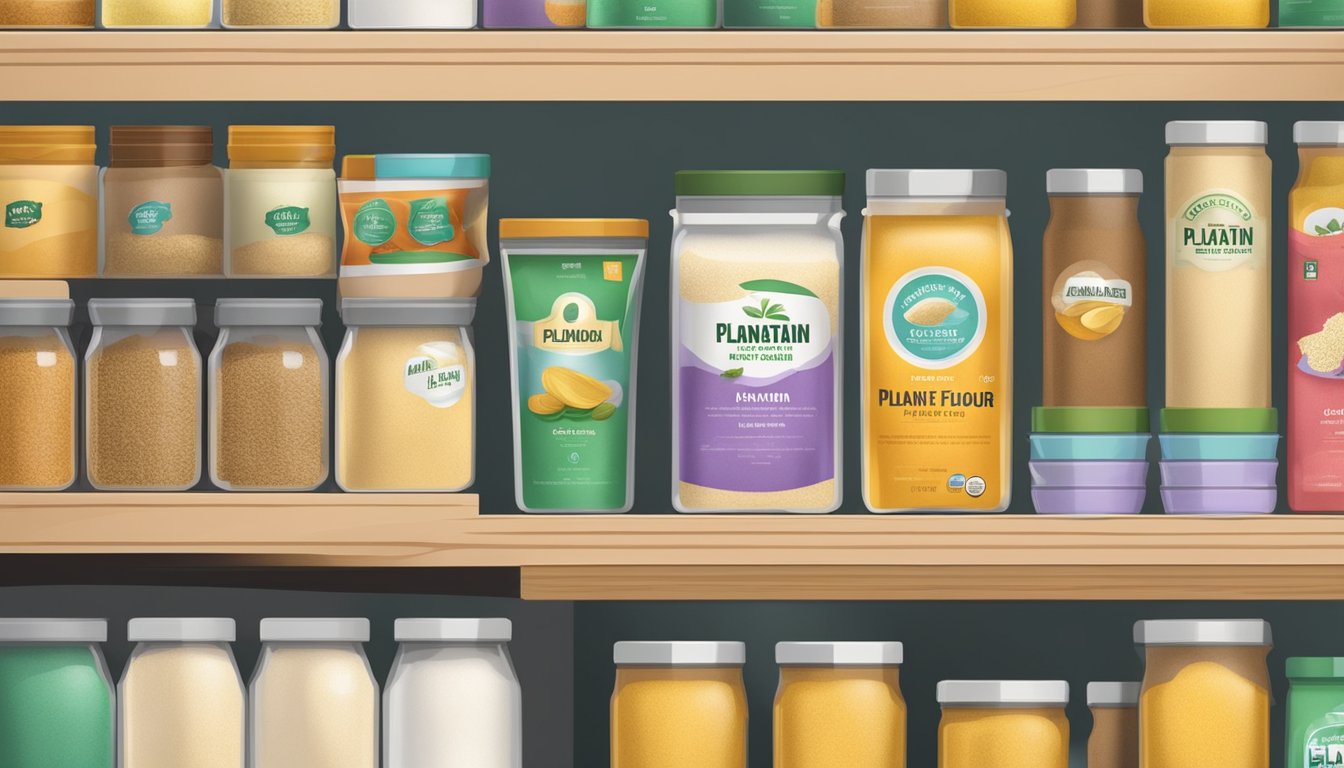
x=144, y=413
x=46, y=13
x=37, y=413
x=882, y=14
x=272, y=418
x=287, y=13
x=1114, y=742
x=129, y=254
x=307, y=255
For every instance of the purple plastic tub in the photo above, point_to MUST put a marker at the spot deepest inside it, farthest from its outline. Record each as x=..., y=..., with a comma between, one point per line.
x=1088, y=501
x=1219, y=501
x=1089, y=474
x=1219, y=474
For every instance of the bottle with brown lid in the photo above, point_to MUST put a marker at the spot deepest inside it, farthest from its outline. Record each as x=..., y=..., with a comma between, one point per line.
x=1095, y=302
x=1114, y=742
x=163, y=203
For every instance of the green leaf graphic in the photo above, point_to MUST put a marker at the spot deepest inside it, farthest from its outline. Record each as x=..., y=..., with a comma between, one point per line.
x=731, y=373
x=1322, y=231
x=752, y=312
x=780, y=317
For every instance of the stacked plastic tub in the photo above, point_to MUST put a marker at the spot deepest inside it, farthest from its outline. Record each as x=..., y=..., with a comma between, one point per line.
x=1219, y=460
x=1089, y=461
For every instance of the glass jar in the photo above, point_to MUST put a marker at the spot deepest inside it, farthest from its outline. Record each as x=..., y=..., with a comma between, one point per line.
x=37, y=395
x=157, y=14
x=415, y=14
x=49, y=199
x=1013, y=14
x=1114, y=741
x=46, y=14
x=936, y=315
x=406, y=396
x=679, y=704
x=280, y=14
x=56, y=702
x=1204, y=14
x=163, y=203
x=1205, y=698
x=453, y=698
x=280, y=219
x=759, y=255
x=1315, y=729
x=1109, y=14
x=839, y=705
x=866, y=14
x=313, y=702
x=1311, y=13
x=522, y=14
x=269, y=398
x=181, y=702
x=142, y=396
x=1003, y=723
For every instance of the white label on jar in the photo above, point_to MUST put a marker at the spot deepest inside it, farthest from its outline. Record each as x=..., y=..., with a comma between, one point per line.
x=1218, y=232
x=438, y=374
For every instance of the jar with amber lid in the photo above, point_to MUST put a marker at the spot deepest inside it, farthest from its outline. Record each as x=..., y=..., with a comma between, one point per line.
x=839, y=705
x=49, y=201
x=1003, y=723
x=679, y=704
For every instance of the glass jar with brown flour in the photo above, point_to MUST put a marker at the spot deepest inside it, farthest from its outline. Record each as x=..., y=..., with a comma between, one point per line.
x=37, y=395
x=1114, y=742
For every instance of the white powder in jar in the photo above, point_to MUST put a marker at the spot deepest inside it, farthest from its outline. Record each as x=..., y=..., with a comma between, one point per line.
x=181, y=706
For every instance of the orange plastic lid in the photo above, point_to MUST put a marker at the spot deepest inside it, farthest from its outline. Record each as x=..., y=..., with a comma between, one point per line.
x=358, y=168
x=542, y=228
x=47, y=145
x=282, y=146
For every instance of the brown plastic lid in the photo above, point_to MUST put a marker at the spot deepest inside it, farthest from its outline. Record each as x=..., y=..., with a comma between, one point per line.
x=157, y=146
x=282, y=146
x=358, y=168
x=47, y=145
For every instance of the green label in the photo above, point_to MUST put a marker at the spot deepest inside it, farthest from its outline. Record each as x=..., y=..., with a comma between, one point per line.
x=1311, y=270
x=1311, y=13
x=760, y=14
x=430, y=222
x=653, y=13
x=149, y=218
x=935, y=318
x=574, y=337
x=22, y=214
x=287, y=220
x=375, y=223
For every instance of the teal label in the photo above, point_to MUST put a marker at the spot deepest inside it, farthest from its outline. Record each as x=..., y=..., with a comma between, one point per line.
x=22, y=214
x=430, y=222
x=287, y=220
x=655, y=13
x=374, y=222
x=1311, y=13
x=765, y=14
x=935, y=318
x=149, y=218
x=574, y=334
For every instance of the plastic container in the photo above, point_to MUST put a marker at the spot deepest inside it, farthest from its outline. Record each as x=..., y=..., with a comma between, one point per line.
x=1219, y=447
x=839, y=704
x=1114, y=741
x=453, y=698
x=1311, y=13
x=269, y=396
x=1315, y=710
x=573, y=289
x=142, y=396
x=530, y=14
x=157, y=14
x=38, y=412
x=1206, y=696
x=181, y=702
x=1206, y=14
x=406, y=396
x=757, y=258
x=49, y=201
x=1219, y=420
x=679, y=703
x=1219, y=501
x=657, y=14
x=1006, y=723
x=57, y=707
x=280, y=219
x=1013, y=14
x=415, y=225
x=163, y=204
x=868, y=14
x=1219, y=474
x=1072, y=420
x=1089, y=474
x=280, y=14
x=1089, y=447
x=313, y=701
x=1088, y=501
x=47, y=14
x=412, y=14
x=1109, y=14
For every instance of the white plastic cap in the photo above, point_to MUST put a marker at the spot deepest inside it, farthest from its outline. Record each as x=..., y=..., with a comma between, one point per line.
x=1217, y=133
x=315, y=630
x=1226, y=632
x=840, y=654
x=1319, y=133
x=936, y=183
x=688, y=653
x=1094, y=181
x=453, y=630
x=1113, y=694
x=53, y=631
x=167, y=630
x=1003, y=693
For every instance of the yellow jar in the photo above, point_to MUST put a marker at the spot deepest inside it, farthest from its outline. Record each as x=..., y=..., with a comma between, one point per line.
x=1205, y=698
x=839, y=705
x=1003, y=723
x=48, y=201
x=1206, y=14
x=1003, y=14
x=678, y=705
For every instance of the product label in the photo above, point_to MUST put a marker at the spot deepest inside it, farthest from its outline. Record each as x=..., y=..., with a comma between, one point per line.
x=149, y=218
x=1090, y=301
x=374, y=222
x=757, y=390
x=287, y=220
x=430, y=222
x=653, y=13
x=22, y=214
x=438, y=374
x=935, y=318
x=1219, y=231
x=757, y=14
x=1311, y=13
x=401, y=228
x=1323, y=745
x=573, y=331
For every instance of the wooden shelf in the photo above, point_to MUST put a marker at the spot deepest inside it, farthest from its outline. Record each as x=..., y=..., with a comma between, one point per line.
x=483, y=65
x=653, y=557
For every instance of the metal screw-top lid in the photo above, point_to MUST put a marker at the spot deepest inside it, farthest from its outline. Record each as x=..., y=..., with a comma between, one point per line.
x=1203, y=632
x=351, y=630
x=175, y=630
x=688, y=653
x=264, y=312
x=47, y=313
x=1319, y=133
x=1228, y=133
x=1094, y=181
x=408, y=313
x=920, y=182
x=1111, y=695
x=453, y=630
x=53, y=631
x=840, y=654
x=1003, y=693
x=150, y=313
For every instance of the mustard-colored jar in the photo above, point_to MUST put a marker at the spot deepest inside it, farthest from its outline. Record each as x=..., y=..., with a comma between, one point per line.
x=1003, y=723
x=1205, y=698
x=839, y=705
x=48, y=201
x=1206, y=14
x=678, y=705
x=1013, y=14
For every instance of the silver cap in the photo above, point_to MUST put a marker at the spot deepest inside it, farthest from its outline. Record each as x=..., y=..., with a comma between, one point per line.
x=680, y=654
x=1003, y=693
x=936, y=183
x=1094, y=181
x=840, y=654
x=263, y=312
x=453, y=630
x=1215, y=632
x=1230, y=133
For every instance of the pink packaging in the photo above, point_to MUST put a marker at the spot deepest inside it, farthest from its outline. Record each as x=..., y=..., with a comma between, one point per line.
x=1315, y=396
